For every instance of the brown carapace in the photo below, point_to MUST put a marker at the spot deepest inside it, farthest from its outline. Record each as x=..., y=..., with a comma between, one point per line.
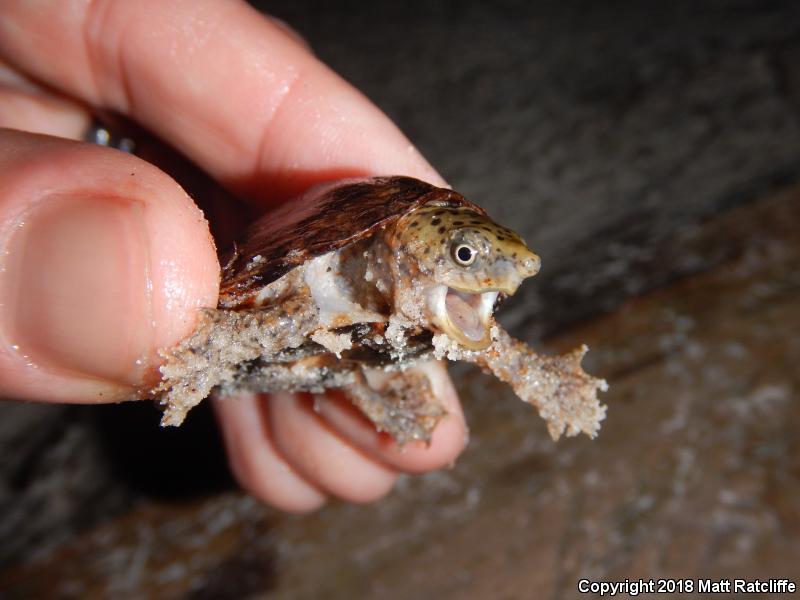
x=326, y=218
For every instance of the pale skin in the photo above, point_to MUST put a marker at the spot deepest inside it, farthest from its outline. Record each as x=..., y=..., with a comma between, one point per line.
x=87, y=233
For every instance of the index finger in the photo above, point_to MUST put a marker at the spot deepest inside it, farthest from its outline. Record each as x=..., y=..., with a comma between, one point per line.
x=221, y=82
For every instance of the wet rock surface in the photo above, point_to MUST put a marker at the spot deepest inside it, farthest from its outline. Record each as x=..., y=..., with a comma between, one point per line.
x=649, y=155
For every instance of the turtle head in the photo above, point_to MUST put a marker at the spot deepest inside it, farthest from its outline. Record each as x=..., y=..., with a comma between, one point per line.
x=467, y=260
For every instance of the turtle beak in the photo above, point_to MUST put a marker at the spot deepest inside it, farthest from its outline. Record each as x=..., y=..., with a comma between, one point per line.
x=464, y=317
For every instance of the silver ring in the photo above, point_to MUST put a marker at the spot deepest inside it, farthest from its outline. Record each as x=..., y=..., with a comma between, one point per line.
x=101, y=134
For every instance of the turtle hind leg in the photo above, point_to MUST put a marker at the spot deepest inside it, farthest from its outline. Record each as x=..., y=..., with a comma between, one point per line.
x=401, y=404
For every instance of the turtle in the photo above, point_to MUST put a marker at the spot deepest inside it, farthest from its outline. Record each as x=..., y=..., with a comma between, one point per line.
x=354, y=282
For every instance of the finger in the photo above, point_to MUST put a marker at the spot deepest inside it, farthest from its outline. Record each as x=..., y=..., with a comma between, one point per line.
x=291, y=32
x=103, y=260
x=225, y=85
x=255, y=461
x=26, y=106
x=320, y=455
x=447, y=441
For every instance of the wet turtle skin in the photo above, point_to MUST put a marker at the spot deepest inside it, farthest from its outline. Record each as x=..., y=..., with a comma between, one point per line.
x=353, y=283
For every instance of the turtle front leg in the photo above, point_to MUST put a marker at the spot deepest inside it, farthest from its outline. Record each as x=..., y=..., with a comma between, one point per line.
x=564, y=394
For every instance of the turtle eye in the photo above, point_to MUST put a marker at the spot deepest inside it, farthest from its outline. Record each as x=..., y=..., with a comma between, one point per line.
x=464, y=254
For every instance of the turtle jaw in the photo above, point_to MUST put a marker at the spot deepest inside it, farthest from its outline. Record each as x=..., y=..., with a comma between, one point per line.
x=465, y=317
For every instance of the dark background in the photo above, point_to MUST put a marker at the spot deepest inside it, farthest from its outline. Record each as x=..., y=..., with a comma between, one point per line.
x=609, y=134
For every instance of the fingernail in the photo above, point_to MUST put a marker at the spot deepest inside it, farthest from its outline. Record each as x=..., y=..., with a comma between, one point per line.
x=76, y=275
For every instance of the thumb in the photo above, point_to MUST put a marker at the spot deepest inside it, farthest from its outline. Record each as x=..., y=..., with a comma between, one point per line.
x=103, y=260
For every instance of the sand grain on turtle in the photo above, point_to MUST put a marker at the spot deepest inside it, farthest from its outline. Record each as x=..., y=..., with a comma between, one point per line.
x=358, y=280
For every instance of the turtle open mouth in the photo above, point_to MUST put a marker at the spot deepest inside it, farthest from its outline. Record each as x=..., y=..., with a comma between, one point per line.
x=463, y=316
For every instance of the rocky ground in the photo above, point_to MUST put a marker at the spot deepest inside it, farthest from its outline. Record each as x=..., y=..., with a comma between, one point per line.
x=651, y=154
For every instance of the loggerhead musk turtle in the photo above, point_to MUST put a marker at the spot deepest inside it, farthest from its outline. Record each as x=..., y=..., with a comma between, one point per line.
x=357, y=280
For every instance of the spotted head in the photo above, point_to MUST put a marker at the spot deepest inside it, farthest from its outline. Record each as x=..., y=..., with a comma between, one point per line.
x=464, y=260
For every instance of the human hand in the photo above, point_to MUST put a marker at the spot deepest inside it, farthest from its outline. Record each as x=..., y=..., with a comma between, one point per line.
x=105, y=259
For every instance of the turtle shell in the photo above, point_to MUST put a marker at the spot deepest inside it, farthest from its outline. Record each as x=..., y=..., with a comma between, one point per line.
x=325, y=218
